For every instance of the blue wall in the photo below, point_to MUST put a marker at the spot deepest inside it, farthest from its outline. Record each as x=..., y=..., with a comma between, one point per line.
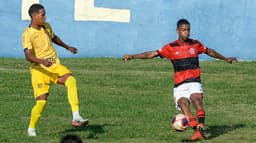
x=228, y=26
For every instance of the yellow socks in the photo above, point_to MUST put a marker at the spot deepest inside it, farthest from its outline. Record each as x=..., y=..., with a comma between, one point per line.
x=72, y=99
x=36, y=113
x=72, y=93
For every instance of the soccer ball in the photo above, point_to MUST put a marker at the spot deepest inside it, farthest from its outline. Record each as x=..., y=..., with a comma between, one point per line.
x=180, y=122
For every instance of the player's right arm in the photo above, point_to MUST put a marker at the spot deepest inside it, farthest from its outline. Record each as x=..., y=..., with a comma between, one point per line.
x=144, y=55
x=29, y=52
x=30, y=56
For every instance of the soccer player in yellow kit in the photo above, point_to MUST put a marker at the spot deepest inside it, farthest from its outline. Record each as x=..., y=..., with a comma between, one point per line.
x=46, y=68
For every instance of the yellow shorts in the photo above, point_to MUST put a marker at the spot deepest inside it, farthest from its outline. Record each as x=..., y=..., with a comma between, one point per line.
x=42, y=77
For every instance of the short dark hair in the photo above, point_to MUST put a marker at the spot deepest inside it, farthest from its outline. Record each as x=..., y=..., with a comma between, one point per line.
x=71, y=139
x=182, y=21
x=34, y=8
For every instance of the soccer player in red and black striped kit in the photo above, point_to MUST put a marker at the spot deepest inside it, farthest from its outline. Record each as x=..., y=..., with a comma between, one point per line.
x=183, y=53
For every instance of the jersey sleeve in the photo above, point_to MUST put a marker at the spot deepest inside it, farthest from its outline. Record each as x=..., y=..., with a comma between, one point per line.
x=26, y=42
x=163, y=52
x=201, y=48
x=49, y=30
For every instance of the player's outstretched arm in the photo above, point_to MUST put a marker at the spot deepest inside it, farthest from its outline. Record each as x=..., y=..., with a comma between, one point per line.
x=145, y=55
x=59, y=42
x=213, y=53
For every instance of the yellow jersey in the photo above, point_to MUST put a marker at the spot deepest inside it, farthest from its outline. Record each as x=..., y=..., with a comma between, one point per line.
x=40, y=42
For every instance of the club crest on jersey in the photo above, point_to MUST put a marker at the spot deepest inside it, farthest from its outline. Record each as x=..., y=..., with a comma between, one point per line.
x=192, y=51
x=40, y=85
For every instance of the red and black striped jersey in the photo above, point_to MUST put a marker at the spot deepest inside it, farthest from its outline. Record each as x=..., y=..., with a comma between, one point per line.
x=184, y=58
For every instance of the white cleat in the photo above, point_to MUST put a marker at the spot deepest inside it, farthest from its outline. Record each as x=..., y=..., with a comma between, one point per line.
x=31, y=132
x=79, y=122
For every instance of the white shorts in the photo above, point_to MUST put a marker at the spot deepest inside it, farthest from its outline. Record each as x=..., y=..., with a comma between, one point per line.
x=185, y=90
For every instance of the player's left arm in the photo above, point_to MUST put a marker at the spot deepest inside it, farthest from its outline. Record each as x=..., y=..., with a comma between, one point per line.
x=144, y=55
x=59, y=42
x=212, y=53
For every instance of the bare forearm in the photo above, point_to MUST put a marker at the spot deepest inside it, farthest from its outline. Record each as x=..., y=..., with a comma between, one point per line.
x=59, y=42
x=214, y=54
x=141, y=56
x=33, y=59
x=145, y=55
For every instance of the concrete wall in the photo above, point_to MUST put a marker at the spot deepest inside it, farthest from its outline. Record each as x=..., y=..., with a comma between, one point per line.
x=228, y=26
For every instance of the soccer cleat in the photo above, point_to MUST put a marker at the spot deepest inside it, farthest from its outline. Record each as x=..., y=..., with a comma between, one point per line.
x=201, y=129
x=31, y=132
x=80, y=122
x=197, y=136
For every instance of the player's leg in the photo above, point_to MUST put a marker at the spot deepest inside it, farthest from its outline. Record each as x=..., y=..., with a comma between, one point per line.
x=196, y=100
x=184, y=105
x=70, y=82
x=65, y=77
x=41, y=87
x=36, y=113
x=182, y=99
x=62, y=75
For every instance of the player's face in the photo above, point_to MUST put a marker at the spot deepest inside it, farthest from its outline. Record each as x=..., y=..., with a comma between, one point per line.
x=40, y=17
x=184, y=31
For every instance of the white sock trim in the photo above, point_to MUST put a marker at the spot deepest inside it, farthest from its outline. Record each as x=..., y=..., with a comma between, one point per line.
x=76, y=115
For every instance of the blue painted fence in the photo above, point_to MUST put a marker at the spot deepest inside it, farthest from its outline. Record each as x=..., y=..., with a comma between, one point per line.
x=228, y=26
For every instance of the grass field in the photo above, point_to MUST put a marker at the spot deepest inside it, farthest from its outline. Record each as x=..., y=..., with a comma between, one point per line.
x=128, y=102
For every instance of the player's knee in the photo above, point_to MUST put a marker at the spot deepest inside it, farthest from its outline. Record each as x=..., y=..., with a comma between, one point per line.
x=183, y=101
x=197, y=104
x=196, y=98
x=42, y=97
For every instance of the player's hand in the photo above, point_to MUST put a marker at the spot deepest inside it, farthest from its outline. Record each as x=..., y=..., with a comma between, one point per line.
x=72, y=49
x=231, y=60
x=126, y=57
x=46, y=63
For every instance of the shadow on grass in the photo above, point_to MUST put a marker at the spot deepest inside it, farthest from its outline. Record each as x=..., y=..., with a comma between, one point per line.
x=93, y=130
x=215, y=131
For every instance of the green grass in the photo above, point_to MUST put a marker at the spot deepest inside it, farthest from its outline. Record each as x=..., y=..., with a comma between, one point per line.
x=128, y=102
